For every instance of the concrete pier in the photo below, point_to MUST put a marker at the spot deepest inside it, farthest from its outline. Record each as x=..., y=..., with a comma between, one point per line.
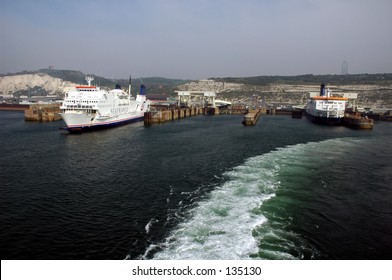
x=252, y=117
x=214, y=111
x=296, y=114
x=13, y=107
x=155, y=117
x=43, y=113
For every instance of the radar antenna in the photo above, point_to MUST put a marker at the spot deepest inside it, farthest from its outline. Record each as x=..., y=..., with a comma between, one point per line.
x=89, y=79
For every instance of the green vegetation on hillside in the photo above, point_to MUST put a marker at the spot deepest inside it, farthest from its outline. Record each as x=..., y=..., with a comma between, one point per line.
x=158, y=85
x=312, y=79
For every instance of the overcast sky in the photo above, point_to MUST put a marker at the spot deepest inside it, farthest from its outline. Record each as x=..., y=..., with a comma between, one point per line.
x=195, y=39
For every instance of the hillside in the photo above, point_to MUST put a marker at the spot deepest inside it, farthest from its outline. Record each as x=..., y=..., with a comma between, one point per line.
x=53, y=82
x=372, y=89
x=154, y=85
x=37, y=84
x=45, y=82
x=356, y=79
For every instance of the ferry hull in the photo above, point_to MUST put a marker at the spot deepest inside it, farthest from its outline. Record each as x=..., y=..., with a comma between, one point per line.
x=324, y=120
x=78, y=128
x=89, y=107
x=326, y=108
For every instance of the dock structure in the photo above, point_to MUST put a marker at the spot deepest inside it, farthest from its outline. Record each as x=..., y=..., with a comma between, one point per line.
x=296, y=114
x=13, y=107
x=356, y=121
x=43, y=113
x=251, y=117
x=156, y=117
x=200, y=98
x=189, y=103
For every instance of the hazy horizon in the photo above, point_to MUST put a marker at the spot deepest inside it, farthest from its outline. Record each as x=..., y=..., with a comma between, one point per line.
x=175, y=78
x=196, y=39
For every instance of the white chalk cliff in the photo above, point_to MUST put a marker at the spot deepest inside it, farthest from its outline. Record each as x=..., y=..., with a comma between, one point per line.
x=24, y=82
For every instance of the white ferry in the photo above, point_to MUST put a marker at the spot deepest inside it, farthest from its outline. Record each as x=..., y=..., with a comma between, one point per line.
x=326, y=108
x=89, y=107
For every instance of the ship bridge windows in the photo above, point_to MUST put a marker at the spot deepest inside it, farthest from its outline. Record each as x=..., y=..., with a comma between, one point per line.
x=86, y=90
x=80, y=106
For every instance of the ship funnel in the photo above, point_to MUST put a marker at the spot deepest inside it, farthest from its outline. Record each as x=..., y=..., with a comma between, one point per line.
x=142, y=90
x=322, y=89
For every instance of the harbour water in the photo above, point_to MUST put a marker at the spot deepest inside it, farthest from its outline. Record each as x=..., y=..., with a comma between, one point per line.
x=204, y=187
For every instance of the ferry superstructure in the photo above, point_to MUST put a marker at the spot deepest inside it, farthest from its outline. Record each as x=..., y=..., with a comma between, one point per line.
x=89, y=107
x=326, y=108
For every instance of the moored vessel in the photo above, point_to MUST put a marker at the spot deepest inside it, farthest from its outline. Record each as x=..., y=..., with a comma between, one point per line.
x=326, y=108
x=89, y=107
x=355, y=120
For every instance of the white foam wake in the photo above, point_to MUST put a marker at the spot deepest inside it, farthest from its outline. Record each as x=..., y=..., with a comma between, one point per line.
x=220, y=227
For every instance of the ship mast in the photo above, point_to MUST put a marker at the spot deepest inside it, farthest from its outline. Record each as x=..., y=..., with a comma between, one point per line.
x=130, y=86
x=89, y=79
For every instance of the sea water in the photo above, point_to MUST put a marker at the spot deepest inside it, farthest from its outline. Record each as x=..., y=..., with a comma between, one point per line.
x=204, y=187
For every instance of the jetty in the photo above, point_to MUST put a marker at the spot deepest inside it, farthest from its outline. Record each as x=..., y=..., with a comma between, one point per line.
x=251, y=117
x=43, y=113
x=357, y=121
x=171, y=114
x=13, y=107
x=188, y=103
x=296, y=114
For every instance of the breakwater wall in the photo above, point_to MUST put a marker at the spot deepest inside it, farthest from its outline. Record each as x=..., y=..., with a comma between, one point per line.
x=42, y=113
x=252, y=117
x=162, y=115
x=155, y=117
x=13, y=107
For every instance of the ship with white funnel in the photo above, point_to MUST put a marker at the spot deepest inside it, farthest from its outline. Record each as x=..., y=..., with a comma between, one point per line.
x=326, y=108
x=88, y=107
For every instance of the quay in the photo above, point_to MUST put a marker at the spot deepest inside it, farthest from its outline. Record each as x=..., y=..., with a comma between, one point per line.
x=160, y=114
x=42, y=113
x=35, y=112
x=251, y=117
x=189, y=103
x=13, y=107
x=296, y=114
x=357, y=121
x=385, y=116
x=171, y=114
